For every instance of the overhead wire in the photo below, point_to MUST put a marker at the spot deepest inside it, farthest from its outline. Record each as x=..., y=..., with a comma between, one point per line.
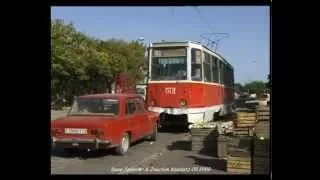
x=210, y=42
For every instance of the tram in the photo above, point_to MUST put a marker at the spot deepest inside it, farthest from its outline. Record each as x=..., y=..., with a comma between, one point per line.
x=188, y=82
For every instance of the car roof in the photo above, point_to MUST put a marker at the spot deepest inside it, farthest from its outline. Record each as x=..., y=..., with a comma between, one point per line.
x=111, y=96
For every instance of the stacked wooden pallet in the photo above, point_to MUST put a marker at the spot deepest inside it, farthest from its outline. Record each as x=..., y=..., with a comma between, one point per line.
x=239, y=155
x=208, y=141
x=261, y=156
x=262, y=128
x=263, y=113
x=244, y=122
x=203, y=140
x=241, y=165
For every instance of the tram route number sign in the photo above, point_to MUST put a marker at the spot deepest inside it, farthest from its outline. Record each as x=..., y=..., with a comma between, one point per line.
x=170, y=90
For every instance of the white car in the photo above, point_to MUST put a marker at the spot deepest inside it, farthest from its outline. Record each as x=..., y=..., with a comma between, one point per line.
x=262, y=100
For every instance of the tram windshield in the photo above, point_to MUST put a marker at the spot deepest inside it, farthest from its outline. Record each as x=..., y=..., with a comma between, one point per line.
x=169, y=64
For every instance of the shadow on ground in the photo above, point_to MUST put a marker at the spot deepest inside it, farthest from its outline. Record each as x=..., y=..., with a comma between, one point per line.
x=180, y=145
x=82, y=154
x=58, y=152
x=215, y=163
x=174, y=129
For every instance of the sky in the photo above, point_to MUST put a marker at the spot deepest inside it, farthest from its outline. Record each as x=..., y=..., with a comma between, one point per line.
x=247, y=48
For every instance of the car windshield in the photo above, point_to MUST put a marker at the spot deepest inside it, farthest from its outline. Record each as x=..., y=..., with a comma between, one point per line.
x=98, y=106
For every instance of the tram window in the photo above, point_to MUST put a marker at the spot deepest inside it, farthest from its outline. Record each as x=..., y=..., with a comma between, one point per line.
x=221, y=69
x=207, y=68
x=228, y=75
x=169, y=64
x=215, y=70
x=211, y=68
x=196, y=66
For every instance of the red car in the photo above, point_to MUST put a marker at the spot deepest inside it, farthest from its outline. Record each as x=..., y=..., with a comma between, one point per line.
x=103, y=121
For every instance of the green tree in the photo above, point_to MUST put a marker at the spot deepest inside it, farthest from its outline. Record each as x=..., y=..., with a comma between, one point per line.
x=255, y=87
x=238, y=87
x=269, y=82
x=83, y=64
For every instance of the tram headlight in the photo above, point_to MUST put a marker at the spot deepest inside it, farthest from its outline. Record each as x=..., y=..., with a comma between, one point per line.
x=183, y=103
x=153, y=102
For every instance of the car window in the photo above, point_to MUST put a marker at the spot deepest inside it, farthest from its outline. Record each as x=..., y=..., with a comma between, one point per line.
x=130, y=107
x=95, y=106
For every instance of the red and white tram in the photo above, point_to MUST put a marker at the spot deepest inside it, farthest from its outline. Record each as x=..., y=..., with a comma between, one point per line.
x=188, y=82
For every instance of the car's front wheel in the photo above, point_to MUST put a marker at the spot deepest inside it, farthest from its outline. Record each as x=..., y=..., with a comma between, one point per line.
x=122, y=149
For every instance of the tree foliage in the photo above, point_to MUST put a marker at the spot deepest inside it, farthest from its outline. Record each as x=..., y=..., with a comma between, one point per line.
x=255, y=87
x=252, y=87
x=269, y=82
x=238, y=88
x=81, y=64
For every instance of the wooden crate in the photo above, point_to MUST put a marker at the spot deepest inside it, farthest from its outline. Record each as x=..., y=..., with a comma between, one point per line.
x=240, y=142
x=243, y=131
x=261, y=148
x=248, y=110
x=246, y=124
x=261, y=156
x=263, y=118
x=203, y=132
x=245, y=119
x=241, y=165
x=239, y=145
x=245, y=114
x=238, y=152
x=261, y=165
x=263, y=108
x=263, y=113
x=205, y=141
x=262, y=129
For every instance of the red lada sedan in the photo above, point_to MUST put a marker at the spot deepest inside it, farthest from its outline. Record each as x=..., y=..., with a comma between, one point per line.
x=103, y=121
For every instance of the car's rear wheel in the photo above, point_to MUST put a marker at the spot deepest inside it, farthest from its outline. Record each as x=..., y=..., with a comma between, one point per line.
x=122, y=149
x=154, y=135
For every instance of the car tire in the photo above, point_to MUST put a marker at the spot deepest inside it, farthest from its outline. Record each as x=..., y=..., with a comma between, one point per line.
x=122, y=149
x=154, y=135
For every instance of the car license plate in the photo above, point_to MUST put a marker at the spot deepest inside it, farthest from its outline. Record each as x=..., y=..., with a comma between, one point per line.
x=75, y=131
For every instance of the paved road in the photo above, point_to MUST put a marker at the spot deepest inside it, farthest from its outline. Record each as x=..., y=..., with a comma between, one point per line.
x=168, y=155
x=102, y=162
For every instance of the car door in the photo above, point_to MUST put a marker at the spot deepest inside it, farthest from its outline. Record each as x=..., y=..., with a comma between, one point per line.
x=132, y=119
x=143, y=117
